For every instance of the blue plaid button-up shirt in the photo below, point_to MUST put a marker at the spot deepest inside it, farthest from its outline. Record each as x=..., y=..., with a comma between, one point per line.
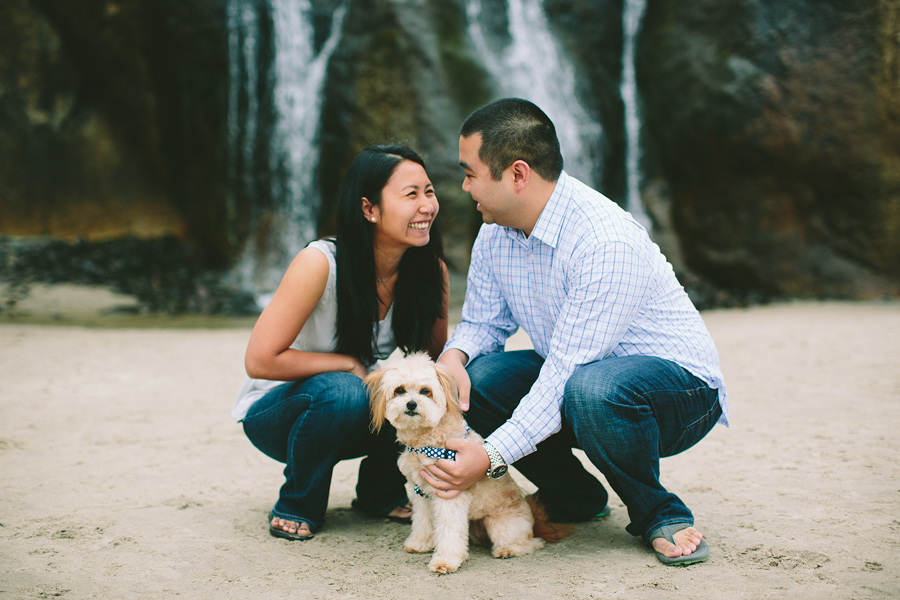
x=588, y=283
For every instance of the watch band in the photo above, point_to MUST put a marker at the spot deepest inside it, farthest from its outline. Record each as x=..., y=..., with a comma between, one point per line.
x=498, y=466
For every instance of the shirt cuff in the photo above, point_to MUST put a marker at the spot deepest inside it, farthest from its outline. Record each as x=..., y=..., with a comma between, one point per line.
x=471, y=349
x=511, y=442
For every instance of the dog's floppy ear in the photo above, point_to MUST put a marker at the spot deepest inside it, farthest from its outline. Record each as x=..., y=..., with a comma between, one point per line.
x=450, y=387
x=377, y=399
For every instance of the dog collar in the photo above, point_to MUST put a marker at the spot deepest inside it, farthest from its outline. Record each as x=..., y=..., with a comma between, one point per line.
x=435, y=452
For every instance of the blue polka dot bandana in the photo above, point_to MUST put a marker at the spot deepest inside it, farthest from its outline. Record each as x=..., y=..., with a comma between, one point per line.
x=437, y=453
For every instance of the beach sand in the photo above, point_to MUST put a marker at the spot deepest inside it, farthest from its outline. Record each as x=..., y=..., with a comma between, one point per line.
x=122, y=475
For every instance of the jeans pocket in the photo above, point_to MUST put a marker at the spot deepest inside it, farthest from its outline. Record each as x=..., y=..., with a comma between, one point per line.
x=696, y=431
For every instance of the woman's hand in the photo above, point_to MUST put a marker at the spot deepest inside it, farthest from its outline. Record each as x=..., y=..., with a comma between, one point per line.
x=356, y=367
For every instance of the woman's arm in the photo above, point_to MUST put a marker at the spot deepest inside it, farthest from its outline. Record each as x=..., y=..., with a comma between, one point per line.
x=439, y=333
x=269, y=355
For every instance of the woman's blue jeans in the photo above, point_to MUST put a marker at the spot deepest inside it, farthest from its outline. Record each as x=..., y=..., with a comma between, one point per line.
x=625, y=413
x=313, y=424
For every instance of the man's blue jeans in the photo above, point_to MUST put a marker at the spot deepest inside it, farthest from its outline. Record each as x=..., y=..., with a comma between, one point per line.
x=313, y=424
x=625, y=413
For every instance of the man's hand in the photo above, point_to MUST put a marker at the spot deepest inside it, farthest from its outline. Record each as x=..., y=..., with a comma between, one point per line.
x=450, y=477
x=455, y=361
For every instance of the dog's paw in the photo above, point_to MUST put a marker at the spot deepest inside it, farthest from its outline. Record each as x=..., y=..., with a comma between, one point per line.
x=418, y=546
x=442, y=566
x=520, y=549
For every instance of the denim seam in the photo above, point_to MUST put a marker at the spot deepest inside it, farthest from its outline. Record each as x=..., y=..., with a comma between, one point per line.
x=287, y=517
x=278, y=405
x=663, y=523
x=690, y=427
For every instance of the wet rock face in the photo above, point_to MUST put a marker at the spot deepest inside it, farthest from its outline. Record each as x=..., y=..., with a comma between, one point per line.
x=404, y=73
x=771, y=131
x=771, y=140
x=113, y=120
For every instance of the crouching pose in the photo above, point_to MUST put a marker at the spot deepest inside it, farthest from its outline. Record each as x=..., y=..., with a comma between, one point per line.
x=344, y=303
x=623, y=366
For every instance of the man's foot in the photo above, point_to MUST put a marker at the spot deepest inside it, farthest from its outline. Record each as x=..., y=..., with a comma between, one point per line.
x=289, y=530
x=679, y=544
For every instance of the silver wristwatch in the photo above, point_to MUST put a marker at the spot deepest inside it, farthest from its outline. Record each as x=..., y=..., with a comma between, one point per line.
x=498, y=466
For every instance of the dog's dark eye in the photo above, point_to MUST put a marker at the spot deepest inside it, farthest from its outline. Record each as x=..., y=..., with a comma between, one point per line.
x=399, y=391
x=425, y=392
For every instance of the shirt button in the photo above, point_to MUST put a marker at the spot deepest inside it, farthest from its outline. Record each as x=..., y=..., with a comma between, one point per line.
x=531, y=257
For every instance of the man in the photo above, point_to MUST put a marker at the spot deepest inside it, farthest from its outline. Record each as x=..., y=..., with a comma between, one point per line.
x=623, y=367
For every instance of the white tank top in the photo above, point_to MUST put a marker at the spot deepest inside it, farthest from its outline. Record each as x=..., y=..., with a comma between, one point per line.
x=317, y=335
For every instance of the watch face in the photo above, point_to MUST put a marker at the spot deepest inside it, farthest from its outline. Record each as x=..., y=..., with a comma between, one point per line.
x=499, y=472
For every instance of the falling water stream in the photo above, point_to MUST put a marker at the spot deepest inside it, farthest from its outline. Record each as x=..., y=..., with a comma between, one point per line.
x=533, y=66
x=527, y=61
x=632, y=15
x=299, y=78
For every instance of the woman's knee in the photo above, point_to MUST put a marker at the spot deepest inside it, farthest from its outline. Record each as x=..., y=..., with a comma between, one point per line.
x=338, y=396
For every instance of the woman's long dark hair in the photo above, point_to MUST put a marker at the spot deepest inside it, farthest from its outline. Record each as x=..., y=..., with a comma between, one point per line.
x=419, y=291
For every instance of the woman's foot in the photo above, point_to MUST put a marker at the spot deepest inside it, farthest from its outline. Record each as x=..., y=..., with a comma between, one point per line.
x=289, y=530
x=401, y=512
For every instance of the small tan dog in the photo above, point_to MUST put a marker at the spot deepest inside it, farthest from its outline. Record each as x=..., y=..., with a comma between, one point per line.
x=420, y=399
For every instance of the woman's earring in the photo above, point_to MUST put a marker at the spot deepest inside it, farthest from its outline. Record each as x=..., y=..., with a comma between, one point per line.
x=373, y=219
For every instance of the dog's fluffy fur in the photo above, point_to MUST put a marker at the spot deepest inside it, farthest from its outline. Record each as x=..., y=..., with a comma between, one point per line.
x=420, y=399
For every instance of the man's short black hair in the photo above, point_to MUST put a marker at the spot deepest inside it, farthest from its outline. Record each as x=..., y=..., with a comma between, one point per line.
x=514, y=129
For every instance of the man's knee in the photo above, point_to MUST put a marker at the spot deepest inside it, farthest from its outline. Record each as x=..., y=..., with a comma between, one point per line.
x=594, y=389
x=503, y=369
x=499, y=381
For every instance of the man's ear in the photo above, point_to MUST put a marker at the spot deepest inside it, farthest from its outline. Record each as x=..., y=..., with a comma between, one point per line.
x=521, y=173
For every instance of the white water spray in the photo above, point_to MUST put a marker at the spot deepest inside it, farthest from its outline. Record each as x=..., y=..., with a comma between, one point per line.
x=632, y=15
x=242, y=53
x=535, y=68
x=299, y=79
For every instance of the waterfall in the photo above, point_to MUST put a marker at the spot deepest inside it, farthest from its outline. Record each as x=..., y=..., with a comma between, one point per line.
x=532, y=66
x=298, y=73
x=632, y=15
x=243, y=100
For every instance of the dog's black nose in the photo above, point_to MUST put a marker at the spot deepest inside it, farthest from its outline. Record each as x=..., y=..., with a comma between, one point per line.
x=411, y=405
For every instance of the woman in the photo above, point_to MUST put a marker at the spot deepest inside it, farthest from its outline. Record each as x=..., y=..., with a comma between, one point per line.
x=343, y=304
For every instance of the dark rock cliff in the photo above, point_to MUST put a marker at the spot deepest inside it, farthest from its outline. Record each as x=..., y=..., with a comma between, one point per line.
x=112, y=120
x=771, y=131
x=770, y=141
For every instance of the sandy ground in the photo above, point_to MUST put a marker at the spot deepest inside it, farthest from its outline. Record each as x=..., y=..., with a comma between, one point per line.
x=122, y=475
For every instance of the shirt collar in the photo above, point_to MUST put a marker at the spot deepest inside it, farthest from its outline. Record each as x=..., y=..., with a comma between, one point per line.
x=548, y=228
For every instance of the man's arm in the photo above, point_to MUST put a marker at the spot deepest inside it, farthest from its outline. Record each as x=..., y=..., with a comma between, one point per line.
x=486, y=323
x=606, y=291
x=607, y=288
x=486, y=318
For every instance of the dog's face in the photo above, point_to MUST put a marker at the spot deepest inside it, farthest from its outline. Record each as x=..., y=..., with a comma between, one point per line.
x=411, y=393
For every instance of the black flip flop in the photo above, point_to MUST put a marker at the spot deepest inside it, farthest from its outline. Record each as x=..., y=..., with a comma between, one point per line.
x=667, y=532
x=287, y=535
